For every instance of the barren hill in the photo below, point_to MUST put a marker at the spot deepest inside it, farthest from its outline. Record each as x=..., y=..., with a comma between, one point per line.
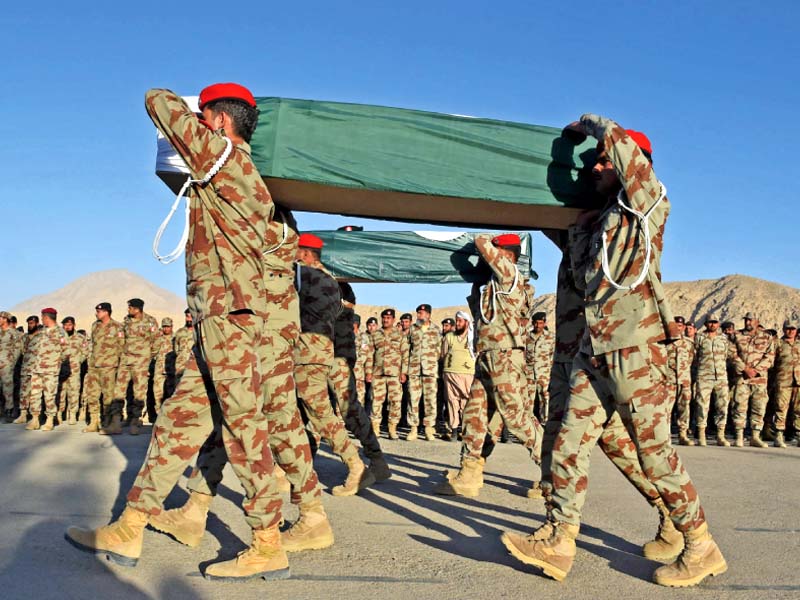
x=117, y=286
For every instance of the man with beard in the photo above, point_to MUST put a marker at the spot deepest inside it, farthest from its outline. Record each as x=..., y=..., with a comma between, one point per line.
x=458, y=367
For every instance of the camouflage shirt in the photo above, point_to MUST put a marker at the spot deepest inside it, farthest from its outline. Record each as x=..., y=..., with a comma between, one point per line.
x=320, y=303
x=502, y=310
x=787, y=363
x=620, y=318
x=46, y=348
x=283, y=304
x=363, y=347
x=165, y=345
x=756, y=350
x=183, y=342
x=680, y=355
x=425, y=344
x=388, y=349
x=10, y=347
x=75, y=350
x=106, y=344
x=539, y=355
x=712, y=354
x=228, y=217
x=141, y=340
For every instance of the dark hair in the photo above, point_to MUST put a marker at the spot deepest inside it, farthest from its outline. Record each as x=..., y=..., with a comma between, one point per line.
x=517, y=250
x=316, y=252
x=244, y=116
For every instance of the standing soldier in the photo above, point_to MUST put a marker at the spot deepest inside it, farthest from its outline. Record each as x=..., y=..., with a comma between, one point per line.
x=713, y=352
x=141, y=346
x=787, y=382
x=166, y=346
x=755, y=355
x=538, y=364
x=10, y=351
x=46, y=348
x=105, y=348
x=458, y=368
x=25, y=368
x=74, y=355
x=425, y=343
x=448, y=325
x=386, y=370
x=362, y=350
x=680, y=355
x=184, y=341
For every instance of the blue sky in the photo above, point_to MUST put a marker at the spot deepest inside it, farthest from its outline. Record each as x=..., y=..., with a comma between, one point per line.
x=714, y=85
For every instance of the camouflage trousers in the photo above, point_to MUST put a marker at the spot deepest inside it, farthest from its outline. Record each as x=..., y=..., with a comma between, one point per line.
x=287, y=438
x=787, y=402
x=70, y=394
x=383, y=387
x=632, y=384
x=99, y=381
x=756, y=396
x=457, y=386
x=680, y=395
x=702, y=398
x=7, y=385
x=140, y=375
x=422, y=387
x=43, y=384
x=614, y=441
x=24, y=389
x=220, y=391
x=361, y=384
x=538, y=397
x=312, y=391
x=342, y=384
x=163, y=385
x=498, y=394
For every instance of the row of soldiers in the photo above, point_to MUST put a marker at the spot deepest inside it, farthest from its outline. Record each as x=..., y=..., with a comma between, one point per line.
x=64, y=375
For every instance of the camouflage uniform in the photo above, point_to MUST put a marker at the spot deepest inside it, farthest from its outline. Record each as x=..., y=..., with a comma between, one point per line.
x=787, y=382
x=386, y=359
x=359, y=369
x=46, y=348
x=10, y=350
x=423, y=372
x=712, y=354
x=141, y=346
x=183, y=342
x=754, y=349
x=75, y=352
x=105, y=349
x=621, y=366
x=680, y=356
x=538, y=363
x=25, y=371
x=226, y=296
x=501, y=314
x=165, y=345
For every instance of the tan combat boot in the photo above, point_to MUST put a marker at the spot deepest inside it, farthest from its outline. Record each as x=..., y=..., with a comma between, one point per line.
x=120, y=541
x=451, y=474
x=376, y=429
x=393, y=431
x=312, y=531
x=265, y=558
x=358, y=478
x=756, y=441
x=739, y=443
x=33, y=424
x=701, y=557
x=48, y=424
x=554, y=555
x=413, y=434
x=94, y=424
x=535, y=491
x=668, y=542
x=779, y=441
x=701, y=436
x=683, y=439
x=72, y=419
x=21, y=419
x=379, y=469
x=135, y=427
x=186, y=524
x=114, y=428
x=467, y=482
x=721, y=441
x=430, y=434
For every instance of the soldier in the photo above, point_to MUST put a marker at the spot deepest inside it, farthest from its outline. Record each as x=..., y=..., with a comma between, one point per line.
x=787, y=382
x=141, y=346
x=386, y=369
x=680, y=356
x=46, y=348
x=372, y=325
x=10, y=351
x=105, y=349
x=690, y=331
x=75, y=352
x=228, y=222
x=713, y=351
x=184, y=341
x=405, y=323
x=161, y=375
x=538, y=364
x=425, y=342
x=501, y=311
x=341, y=382
x=448, y=325
x=620, y=366
x=729, y=329
x=32, y=323
x=362, y=350
x=458, y=358
x=755, y=355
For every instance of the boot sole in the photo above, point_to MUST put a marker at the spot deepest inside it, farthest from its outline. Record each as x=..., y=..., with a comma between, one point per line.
x=191, y=542
x=717, y=570
x=124, y=561
x=320, y=544
x=547, y=568
x=449, y=490
x=266, y=576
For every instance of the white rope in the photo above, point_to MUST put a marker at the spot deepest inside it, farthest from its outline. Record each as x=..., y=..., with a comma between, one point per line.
x=644, y=219
x=493, y=293
x=281, y=243
x=178, y=250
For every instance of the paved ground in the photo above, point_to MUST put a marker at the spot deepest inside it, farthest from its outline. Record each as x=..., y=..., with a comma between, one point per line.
x=397, y=540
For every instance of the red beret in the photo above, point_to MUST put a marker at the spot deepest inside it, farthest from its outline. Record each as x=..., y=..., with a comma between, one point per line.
x=227, y=91
x=309, y=240
x=50, y=311
x=641, y=140
x=507, y=239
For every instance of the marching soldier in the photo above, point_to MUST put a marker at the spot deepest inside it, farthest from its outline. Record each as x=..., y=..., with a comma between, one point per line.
x=10, y=351
x=386, y=369
x=787, y=382
x=425, y=342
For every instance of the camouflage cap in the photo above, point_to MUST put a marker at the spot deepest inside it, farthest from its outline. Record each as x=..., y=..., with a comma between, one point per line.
x=789, y=324
x=712, y=318
x=5, y=314
x=166, y=322
x=752, y=315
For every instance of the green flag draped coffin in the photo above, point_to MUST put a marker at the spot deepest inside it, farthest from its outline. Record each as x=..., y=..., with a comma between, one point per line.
x=409, y=165
x=410, y=257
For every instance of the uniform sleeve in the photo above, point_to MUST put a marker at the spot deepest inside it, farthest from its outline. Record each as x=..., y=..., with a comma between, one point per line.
x=194, y=141
x=633, y=168
x=369, y=362
x=405, y=354
x=767, y=360
x=504, y=269
x=738, y=364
